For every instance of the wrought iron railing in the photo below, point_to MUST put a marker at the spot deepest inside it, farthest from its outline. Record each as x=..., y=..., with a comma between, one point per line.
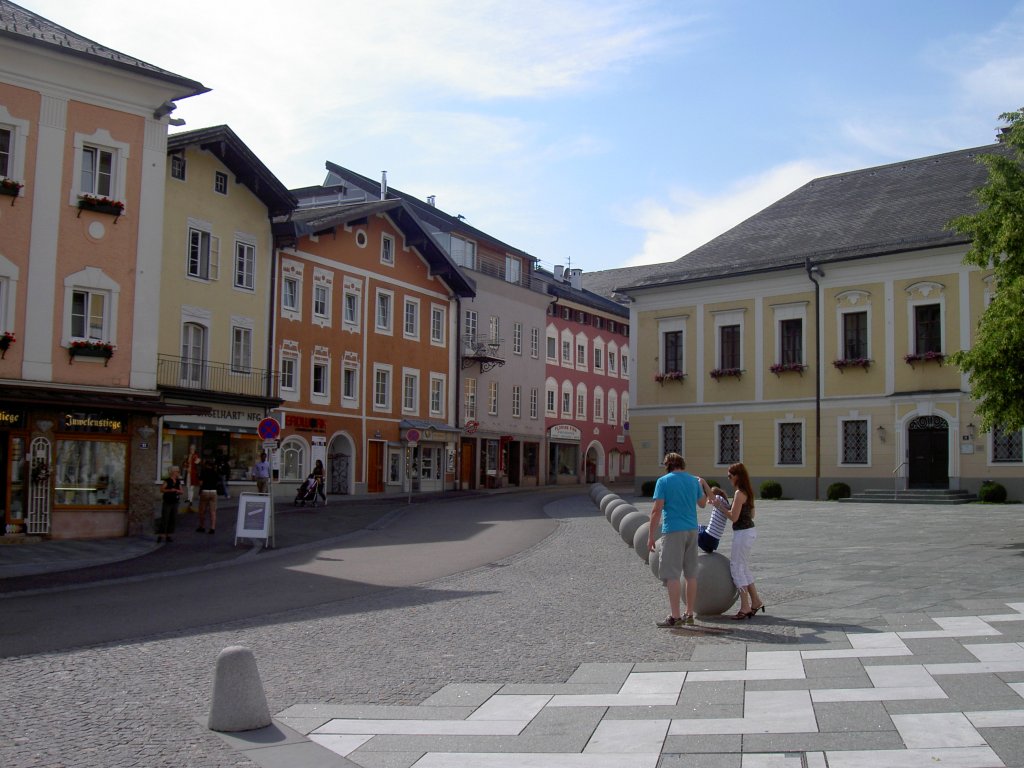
x=206, y=376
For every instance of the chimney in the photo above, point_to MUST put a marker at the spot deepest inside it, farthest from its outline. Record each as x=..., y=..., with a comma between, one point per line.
x=559, y=270
x=432, y=200
x=576, y=279
x=383, y=185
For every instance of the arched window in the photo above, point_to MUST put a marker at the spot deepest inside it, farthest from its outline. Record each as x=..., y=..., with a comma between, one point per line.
x=293, y=459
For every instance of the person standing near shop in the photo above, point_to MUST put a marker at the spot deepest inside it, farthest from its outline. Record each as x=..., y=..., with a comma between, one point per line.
x=169, y=508
x=209, y=479
x=191, y=466
x=261, y=473
x=677, y=494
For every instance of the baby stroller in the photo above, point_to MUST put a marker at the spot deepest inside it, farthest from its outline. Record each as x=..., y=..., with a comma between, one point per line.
x=308, y=491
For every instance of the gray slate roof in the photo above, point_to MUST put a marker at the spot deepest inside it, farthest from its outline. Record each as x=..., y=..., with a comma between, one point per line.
x=21, y=24
x=887, y=209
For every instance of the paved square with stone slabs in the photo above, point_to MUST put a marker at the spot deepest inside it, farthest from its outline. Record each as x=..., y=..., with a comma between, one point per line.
x=894, y=637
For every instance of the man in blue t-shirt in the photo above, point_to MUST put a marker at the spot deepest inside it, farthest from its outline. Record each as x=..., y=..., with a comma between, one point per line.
x=677, y=495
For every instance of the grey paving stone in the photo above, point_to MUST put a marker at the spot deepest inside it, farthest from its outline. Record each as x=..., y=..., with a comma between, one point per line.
x=707, y=743
x=377, y=712
x=970, y=692
x=559, y=689
x=687, y=666
x=462, y=695
x=601, y=673
x=385, y=759
x=275, y=734
x=307, y=755
x=701, y=761
x=940, y=650
x=1008, y=743
x=681, y=710
x=719, y=653
x=302, y=724
x=820, y=742
x=814, y=668
x=700, y=693
x=820, y=683
x=852, y=716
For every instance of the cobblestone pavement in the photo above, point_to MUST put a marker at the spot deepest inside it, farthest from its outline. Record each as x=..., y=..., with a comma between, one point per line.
x=864, y=582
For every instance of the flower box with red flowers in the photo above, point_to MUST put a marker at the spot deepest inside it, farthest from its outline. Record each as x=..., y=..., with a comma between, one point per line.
x=100, y=205
x=669, y=376
x=10, y=187
x=5, y=342
x=924, y=357
x=852, y=362
x=90, y=349
x=724, y=373
x=779, y=368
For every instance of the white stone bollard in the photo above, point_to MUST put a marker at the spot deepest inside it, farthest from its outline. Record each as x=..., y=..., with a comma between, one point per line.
x=629, y=524
x=238, y=702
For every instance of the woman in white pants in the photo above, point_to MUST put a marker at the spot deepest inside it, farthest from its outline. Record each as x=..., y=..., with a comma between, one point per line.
x=744, y=534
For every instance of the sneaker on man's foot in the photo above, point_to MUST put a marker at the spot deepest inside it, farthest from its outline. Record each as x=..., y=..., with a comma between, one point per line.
x=687, y=618
x=670, y=621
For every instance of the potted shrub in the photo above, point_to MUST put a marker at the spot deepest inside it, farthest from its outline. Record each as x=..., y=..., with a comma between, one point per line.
x=90, y=349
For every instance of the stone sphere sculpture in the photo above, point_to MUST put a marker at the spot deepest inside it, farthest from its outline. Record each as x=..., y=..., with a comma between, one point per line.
x=611, y=506
x=629, y=522
x=605, y=500
x=619, y=511
x=716, y=593
x=597, y=490
x=640, y=540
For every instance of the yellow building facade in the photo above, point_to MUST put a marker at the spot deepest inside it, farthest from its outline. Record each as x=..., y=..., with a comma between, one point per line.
x=817, y=354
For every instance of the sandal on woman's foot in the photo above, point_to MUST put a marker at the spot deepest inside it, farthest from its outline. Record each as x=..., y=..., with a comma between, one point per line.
x=740, y=615
x=671, y=621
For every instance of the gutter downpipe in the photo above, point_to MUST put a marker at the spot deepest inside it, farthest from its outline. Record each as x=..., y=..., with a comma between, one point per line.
x=813, y=269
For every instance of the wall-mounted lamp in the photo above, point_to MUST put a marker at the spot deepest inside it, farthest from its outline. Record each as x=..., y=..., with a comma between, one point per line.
x=881, y=433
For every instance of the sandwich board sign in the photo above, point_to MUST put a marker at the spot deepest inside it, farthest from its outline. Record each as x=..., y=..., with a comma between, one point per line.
x=255, y=518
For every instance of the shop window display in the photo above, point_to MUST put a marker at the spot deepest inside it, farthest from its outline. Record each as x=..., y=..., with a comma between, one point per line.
x=90, y=473
x=241, y=450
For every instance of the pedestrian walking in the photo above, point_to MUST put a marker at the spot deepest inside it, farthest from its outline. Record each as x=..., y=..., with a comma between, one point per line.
x=172, y=490
x=261, y=473
x=191, y=466
x=744, y=534
x=209, y=479
x=677, y=494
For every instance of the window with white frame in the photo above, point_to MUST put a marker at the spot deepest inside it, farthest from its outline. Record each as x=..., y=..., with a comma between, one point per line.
x=517, y=338
x=321, y=378
x=97, y=172
x=349, y=384
x=203, y=254
x=289, y=379
x=6, y=310
x=438, y=321
x=494, y=329
x=290, y=294
x=855, y=335
x=437, y=387
x=220, y=182
x=581, y=401
x=625, y=407
x=464, y=252
x=385, y=300
x=729, y=340
x=13, y=135
x=178, y=166
x=552, y=349
x=321, y=302
x=791, y=341
x=351, y=308
x=387, y=250
x=410, y=391
x=245, y=266
x=517, y=401
x=535, y=343
x=89, y=315
x=411, y=319
x=469, y=398
x=193, y=355
x=550, y=397
x=100, y=167
x=566, y=400
x=567, y=351
x=492, y=398
x=381, y=387
x=513, y=269
x=613, y=410
x=241, y=349
x=469, y=326
x=791, y=443
x=533, y=402
x=1007, y=446
x=598, y=358
x=672, y=439
x=624, y=359
x=728, y=444
x=613, y=361
x=598, y=404
x=6, y=150
x=855, y=441
x=927, y=328
x=581, y=355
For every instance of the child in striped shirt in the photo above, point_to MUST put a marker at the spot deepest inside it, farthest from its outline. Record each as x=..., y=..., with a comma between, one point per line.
x=709, y=535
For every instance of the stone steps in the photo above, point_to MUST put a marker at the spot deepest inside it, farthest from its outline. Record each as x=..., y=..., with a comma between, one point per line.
x=911, y=496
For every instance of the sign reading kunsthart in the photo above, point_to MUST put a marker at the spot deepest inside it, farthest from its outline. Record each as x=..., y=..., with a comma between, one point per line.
x=565, y=432
x=95, y=423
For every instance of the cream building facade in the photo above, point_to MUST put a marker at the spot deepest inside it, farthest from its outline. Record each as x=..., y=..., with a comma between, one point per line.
x=809, y=342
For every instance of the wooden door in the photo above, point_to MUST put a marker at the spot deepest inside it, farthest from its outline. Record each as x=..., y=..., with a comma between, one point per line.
x=928, y=449
x=375, y=468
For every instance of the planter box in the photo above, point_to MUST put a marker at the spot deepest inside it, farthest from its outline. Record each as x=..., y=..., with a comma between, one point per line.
x=74, y=352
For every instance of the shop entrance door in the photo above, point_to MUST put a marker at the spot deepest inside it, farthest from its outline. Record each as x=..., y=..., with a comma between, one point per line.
x=466, y=476
x=375, y=468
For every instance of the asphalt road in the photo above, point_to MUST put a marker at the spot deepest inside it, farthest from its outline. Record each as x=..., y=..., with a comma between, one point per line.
x=425, y=542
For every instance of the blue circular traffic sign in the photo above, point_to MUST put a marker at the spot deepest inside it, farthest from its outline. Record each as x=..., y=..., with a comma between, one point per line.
x=269, y=429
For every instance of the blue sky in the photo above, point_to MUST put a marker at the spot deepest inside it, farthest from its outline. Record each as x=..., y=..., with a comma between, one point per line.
x=601, y=134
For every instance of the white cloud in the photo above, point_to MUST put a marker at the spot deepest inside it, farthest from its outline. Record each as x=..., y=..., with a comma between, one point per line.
x=688, y=219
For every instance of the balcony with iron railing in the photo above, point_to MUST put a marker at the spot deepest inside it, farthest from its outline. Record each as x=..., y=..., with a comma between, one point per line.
x=482, y=350
x=210, y=378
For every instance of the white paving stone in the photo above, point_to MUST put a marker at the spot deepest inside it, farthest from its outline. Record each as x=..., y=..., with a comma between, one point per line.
x=614, y=700
x=763, y=712
x=967, y=757
x=341, y=745
x=996, y=651
x=854, y=653
x=946, y=729
x=534, y=760
x=1019, y=688
x=424, y=727
x=654, y=682
x=954, y=626
x=625, y=736
x=874, y=640
x=997, y=718
x=771, y=760
x=975, y=668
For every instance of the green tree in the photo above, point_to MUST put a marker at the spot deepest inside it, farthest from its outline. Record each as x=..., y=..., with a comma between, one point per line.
x=995, y=363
